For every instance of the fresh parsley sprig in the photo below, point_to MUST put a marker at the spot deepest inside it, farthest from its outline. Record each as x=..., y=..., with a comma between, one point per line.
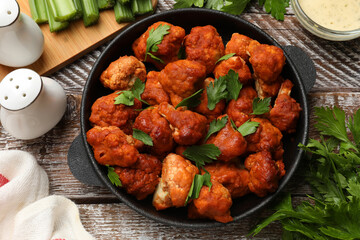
x=191, y=101
x=261, y=106
x=215, y=126
x=202, y=154
x=142, y=136
x=277, y=8
x=225, y=87
x=113, y=177
x=155, y=38
x=248, y=128
x=198, y=182
x=333, y=212
x=128, y=97
x=225, y=57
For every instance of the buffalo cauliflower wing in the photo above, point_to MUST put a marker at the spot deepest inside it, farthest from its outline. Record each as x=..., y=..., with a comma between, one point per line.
x=237, y=64
x=238, y=44
x=154, y=93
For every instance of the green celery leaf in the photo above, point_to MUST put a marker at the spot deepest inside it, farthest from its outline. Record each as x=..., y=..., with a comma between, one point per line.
x=235, y=7
x=202, y=154
x=277, y=8
x=354, y=126
x=155, y=38
x=114, y=178
x=191, y=101
x=140, y=135
x=354, y=188
x=198, y=182
x=261, y=106
x=188, y=3
x=308, y=230
x=214, y=4
x=216, y=91
x=248, y=128
x=138, y=89
x=225, y=57
x=215, y=126
x=233, y=85
x=125, y=97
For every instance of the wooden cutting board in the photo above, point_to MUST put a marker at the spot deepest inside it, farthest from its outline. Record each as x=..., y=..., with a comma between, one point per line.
x=68, y=45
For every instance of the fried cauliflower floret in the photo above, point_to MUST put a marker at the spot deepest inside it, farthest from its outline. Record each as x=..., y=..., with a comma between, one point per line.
x=158, y=128
x=238, y=45
x=264, y=173
x=203, y=109
x=265, y=90
x=266, y=138
x=105, y=113
x=204, y=45
x=113, y=147
x=267, y=61
x=212, y=204
x=230, y=142
x=122, y=73
x=181, y=79
x=237, y=64
x=154, y=93
x=188, y=127
x=176, y=179
x=168, y=48
x=240, y=110
x=141, y=179
x=234, y=178
x=286, y=111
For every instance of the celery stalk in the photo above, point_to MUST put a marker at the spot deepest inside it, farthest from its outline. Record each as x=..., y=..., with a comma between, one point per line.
x=123, y=12
x=105, y=4
x=124, y=1
x=79, y=11
x=63, y=10
x=54, y=25
x=38, y=11
x=140, y=7
x=90, y=12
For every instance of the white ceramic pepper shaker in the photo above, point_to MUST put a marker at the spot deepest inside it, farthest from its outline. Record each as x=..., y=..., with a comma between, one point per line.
x=21, y=39
x=31, y=105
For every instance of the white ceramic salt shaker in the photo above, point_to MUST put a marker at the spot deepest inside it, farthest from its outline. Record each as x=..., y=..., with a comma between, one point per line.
x=31, y=105
x=21, y=39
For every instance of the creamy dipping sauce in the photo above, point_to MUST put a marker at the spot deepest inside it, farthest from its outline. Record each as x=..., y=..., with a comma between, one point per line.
x=341, y=15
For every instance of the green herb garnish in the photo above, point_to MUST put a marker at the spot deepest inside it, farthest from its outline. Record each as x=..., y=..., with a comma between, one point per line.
x=333, y=212
x=261, y=106
x=215, y=126
x=192, y=101
x=198, y=182
x=233, y=85
x=201, y=154
x=225, y=57
x=113, y=177
x=154, y=39
x=142, y=136
x=248, y=128
x=127, y=97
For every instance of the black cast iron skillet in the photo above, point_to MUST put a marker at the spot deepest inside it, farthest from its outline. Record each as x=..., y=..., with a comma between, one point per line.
x=299, y=69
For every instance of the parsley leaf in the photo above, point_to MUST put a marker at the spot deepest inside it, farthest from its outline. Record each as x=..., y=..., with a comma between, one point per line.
x=202, y=154
x=188, y=3
x=140, y=135
x=154, y=39
x=198, y=182
x=114, y=178
x=235, y=7
x=125, y=97
x=225, y=57
x=215, y=126
x=261, y=106
x=277, y=8
x=248, y=128
x=233, y=85
x=214, y=4
x=191, y=101
x=216, y=91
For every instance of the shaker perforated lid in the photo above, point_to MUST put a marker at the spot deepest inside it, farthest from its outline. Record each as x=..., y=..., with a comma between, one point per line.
x=19, y=89
x=9, y=12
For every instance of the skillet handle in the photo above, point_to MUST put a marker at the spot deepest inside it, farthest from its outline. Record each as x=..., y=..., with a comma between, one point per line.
x=80, y=165
x=304, y=65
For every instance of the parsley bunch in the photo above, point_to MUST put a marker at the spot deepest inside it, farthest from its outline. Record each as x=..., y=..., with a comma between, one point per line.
x=333, y=212
x=277, y=8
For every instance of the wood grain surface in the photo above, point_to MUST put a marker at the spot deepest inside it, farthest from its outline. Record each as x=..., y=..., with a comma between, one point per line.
x=337, y=83
x=66, y=46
